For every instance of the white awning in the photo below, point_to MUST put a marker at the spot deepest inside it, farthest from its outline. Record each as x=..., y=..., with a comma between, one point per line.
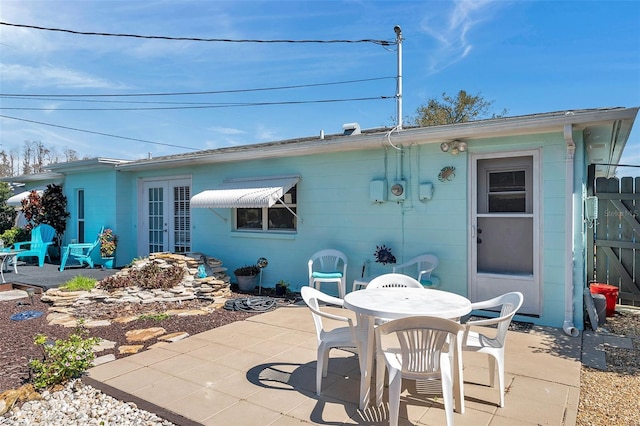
x=16, y=200
x=245, y=193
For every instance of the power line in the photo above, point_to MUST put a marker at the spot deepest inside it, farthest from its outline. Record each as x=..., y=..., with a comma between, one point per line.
x=214, y=92
x=208, y=106
x=222, y=40
x=99, y=133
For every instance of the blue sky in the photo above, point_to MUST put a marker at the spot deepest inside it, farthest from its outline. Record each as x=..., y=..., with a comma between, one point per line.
x=526, y=56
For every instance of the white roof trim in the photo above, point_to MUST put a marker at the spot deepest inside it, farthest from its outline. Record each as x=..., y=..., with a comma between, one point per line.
x=245, y=193
x=16, y=200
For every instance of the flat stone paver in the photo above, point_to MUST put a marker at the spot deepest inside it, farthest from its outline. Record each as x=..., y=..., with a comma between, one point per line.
x=262, y=371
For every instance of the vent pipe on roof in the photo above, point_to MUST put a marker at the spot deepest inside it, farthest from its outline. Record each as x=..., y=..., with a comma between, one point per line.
x=351, y=129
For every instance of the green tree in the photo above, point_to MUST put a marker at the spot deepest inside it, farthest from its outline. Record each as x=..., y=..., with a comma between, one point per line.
x=32, y=209
x=54, y=206
x=50, y=208
x=450, y=110
x=7, y=212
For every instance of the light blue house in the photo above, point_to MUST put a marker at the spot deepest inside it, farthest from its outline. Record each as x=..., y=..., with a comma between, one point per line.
x=500, y=202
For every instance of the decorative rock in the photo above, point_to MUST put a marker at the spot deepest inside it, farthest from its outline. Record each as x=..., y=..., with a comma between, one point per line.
x=215, y=285
x=103, y=359
x=104, y=345
x=124, y=320
x=129, y=349
x=158, y=344
x=96, y=323
x=64, y=320
x=145, y=295
x=23, y=393
x=142, y=335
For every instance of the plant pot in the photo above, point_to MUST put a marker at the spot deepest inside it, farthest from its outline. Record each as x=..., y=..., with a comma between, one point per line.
x=247, y=283
x=107, y=262
x=281, y=290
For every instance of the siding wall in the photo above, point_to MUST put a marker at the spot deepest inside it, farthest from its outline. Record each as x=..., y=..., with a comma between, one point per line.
x=336, y=211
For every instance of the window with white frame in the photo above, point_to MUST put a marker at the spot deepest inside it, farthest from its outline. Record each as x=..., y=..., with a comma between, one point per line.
x=278, y=218
x=80, y=204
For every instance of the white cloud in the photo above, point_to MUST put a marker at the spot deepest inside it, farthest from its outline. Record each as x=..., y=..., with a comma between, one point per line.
x=51, y=76
x=452, y=32
x=226, y=130
x=265, y=134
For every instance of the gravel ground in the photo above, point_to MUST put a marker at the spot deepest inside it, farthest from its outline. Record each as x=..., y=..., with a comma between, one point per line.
x=606, y=397
x=612, y=397
x=16, y=337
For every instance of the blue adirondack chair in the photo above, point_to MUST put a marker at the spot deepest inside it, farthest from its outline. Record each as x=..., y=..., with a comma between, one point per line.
x=41, y=238
x=88, y=253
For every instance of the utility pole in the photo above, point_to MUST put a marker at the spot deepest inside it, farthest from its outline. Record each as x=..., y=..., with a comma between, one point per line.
x=398, y=32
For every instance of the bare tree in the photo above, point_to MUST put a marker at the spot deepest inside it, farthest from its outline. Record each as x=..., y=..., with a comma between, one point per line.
x=5, y=164
x=70, y=155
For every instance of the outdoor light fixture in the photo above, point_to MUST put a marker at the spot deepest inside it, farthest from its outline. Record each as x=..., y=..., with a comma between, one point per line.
x=454, y=147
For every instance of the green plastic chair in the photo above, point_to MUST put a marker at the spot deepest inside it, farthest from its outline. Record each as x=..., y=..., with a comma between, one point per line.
x=88, y=253
x=41, y=238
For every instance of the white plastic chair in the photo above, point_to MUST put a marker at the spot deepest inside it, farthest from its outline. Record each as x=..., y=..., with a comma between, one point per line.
x=421, y=267
x=328, y=266
x=362, y=281
x=394, y=281
x=423, y=349
x=508, y=304
x=340, y=337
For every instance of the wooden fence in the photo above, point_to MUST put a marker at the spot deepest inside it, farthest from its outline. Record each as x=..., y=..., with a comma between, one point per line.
x=613, y=239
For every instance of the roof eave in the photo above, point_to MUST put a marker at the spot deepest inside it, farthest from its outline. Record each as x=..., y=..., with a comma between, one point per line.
x=84, y=165
x=501, y=127
x=49, y=177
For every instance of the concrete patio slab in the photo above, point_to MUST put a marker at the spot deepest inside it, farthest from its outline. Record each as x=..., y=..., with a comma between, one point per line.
x=262, y=371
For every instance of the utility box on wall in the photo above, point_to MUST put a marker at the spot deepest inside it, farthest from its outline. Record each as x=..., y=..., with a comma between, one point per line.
x=426, y=191
x=398, y=191
x=378, y=191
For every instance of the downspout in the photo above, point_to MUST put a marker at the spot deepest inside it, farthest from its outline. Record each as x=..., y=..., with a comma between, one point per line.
x=568, y=325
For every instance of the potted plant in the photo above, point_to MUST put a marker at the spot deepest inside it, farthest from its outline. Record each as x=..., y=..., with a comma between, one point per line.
x=281, y=287
x=247, y=277
x=108, y=244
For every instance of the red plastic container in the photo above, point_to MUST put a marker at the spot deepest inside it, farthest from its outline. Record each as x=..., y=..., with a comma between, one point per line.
x=610, y=292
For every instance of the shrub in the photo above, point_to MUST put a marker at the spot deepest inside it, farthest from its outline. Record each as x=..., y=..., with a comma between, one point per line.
x=115, y=282
x=79, y=283
x=108, y=243
x=150, y=276
x=247, y=271
x=15, y=235
x=153, y=276
x=64, y=359
x=156, y=317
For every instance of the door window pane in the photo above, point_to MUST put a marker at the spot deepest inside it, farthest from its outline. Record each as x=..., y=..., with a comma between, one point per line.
x=507, y=192
x=507, y=181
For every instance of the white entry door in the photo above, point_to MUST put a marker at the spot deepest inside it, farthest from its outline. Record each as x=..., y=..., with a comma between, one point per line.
x=506, y=243
x=165, y=217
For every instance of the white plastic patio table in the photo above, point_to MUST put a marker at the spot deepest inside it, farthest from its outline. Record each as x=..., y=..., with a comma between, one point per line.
x=395, y=303
x=5, y=254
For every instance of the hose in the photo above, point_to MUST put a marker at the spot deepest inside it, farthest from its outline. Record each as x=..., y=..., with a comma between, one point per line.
x=249, y=304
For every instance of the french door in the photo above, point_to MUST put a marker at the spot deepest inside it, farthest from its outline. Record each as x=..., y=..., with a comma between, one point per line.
x=506, y=228
x=165, y=216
